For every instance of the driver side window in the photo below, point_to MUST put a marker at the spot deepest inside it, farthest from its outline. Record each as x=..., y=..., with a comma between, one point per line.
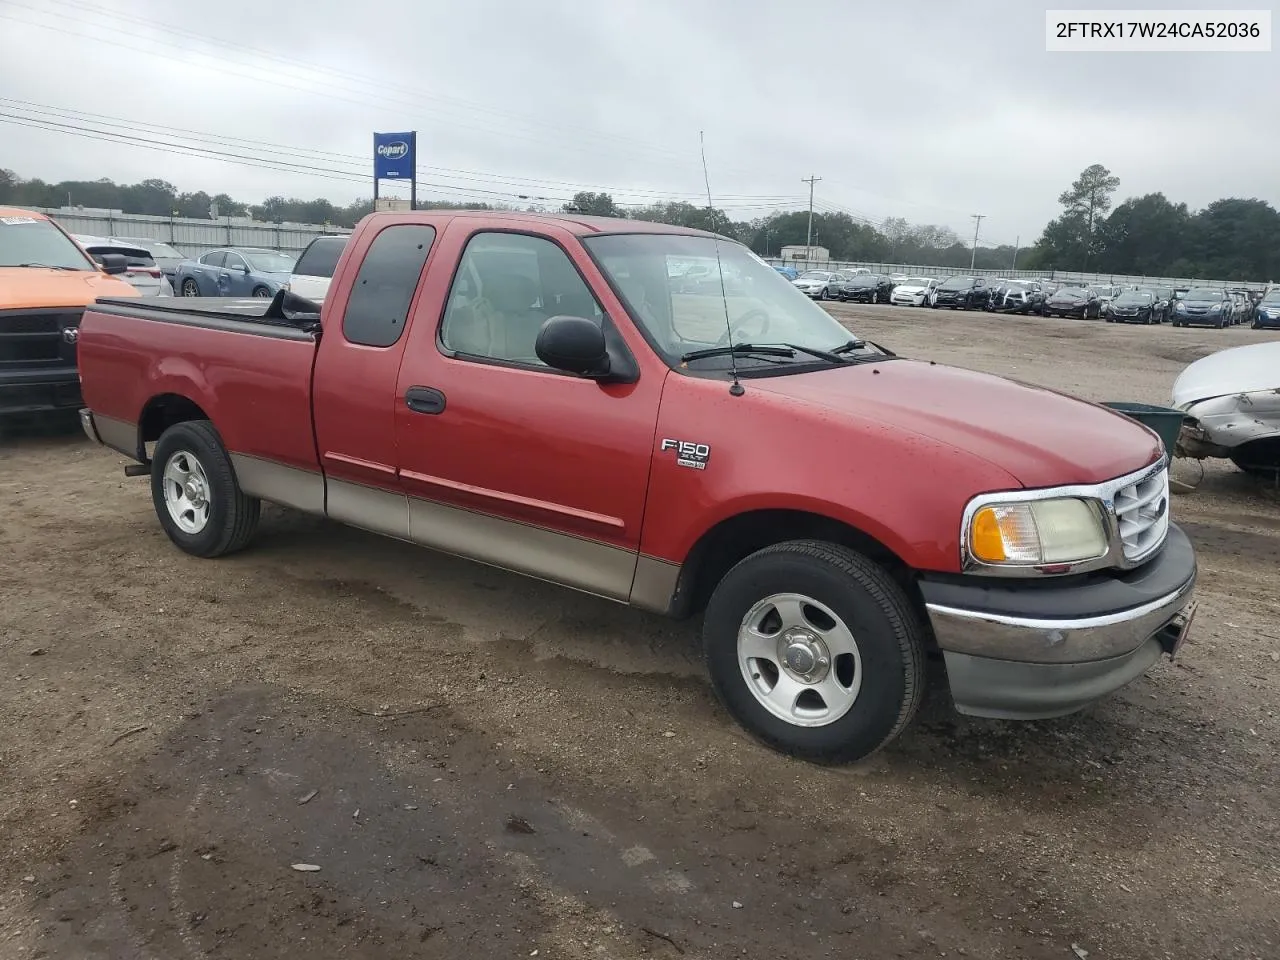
x=506, y=286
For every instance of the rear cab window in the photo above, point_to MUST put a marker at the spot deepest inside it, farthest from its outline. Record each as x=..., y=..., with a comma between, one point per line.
x=385, y=284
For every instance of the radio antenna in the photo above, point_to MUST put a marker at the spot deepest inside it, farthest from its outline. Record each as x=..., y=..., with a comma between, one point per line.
x=735, y=388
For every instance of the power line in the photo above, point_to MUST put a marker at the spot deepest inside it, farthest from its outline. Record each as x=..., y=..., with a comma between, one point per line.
x=357, y=163
x=378, y=96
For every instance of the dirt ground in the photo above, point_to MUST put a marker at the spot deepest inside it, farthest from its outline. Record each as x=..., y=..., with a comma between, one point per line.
x=498, y=767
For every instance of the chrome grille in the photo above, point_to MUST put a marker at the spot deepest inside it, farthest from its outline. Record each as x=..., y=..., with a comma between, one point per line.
x=1142, y=515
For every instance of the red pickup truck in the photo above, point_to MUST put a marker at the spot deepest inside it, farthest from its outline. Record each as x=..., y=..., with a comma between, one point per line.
x=548, y=395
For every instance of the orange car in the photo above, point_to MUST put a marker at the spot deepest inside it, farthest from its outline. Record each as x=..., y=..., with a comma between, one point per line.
x=46, y=281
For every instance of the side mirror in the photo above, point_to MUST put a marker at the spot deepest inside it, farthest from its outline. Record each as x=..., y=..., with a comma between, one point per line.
x=114, y=263
x=573, y=344
x=244, y=268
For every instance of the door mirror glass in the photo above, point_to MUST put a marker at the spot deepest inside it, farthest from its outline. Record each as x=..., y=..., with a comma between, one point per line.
x=573, y=344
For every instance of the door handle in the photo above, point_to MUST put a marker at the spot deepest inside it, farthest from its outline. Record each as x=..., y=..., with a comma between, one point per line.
x=424, y=400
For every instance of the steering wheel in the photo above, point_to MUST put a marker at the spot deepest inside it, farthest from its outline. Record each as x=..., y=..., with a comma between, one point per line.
x=740, y=334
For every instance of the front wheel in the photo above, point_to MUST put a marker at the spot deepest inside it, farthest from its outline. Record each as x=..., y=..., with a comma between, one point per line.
x=190, y=288
x=261, y=293
x=196, y=495
x=815, y=650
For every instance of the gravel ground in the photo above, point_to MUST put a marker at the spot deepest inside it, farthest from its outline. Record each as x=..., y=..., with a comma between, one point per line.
x=480, y=764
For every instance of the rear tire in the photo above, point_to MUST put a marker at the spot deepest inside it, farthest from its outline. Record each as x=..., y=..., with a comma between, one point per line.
x=794, y=604
x=196, y=495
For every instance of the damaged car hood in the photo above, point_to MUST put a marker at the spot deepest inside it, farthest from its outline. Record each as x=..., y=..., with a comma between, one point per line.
x=1238, y=370
x=1234, y=399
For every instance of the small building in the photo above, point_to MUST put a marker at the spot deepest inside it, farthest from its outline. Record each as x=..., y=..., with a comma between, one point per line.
x=801, y=252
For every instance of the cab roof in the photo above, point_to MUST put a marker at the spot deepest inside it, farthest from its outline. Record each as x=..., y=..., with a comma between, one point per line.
x=578, y=224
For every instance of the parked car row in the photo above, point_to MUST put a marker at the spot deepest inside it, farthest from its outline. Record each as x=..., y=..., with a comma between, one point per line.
x=1198, y=306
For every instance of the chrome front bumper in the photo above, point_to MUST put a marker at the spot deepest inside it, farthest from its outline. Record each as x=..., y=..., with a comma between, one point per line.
x=1046, y=650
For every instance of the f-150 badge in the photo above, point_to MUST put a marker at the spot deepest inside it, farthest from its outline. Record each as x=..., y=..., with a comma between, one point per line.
x=688, y=453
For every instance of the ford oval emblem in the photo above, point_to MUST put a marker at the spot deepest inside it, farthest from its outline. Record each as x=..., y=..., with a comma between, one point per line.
x=393, y=151
x=71, y=334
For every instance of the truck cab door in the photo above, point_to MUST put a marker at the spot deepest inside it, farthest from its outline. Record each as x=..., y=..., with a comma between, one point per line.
x=503, y=459
x=360, y=352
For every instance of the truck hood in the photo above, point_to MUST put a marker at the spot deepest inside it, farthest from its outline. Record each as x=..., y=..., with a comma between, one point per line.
x=36, y=287
x=1237, y=370
x=1040, y=437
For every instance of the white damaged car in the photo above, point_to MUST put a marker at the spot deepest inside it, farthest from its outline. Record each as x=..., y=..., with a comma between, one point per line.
x=1231, y=401
x=913, y=291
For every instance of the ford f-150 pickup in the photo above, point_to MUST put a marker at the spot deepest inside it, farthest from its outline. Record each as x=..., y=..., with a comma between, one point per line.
x=533, y=393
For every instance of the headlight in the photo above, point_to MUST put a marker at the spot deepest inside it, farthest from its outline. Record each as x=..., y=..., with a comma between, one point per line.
x=1180, y=307
x=1036, y=532
x=1215, y=308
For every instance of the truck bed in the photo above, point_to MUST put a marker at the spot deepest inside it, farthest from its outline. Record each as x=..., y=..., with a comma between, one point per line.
x=247, y=367
x=214, y=312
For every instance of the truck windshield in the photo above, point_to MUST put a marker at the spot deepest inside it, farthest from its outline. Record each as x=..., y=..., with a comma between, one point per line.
x=763, y=306
x=33, y=242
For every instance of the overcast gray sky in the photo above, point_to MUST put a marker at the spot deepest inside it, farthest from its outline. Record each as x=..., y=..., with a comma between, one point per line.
x=925, y=110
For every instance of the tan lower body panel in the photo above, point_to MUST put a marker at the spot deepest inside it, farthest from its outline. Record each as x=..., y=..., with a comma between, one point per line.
x=287, y=486
x=369, y=508
x=587, y=565
x=655, y=584
x=117, y=434
x=583, y=564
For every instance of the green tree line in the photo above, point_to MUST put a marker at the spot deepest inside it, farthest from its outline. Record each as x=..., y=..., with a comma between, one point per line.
x=1230, y=239
x=1150, y=235
x=159, y=198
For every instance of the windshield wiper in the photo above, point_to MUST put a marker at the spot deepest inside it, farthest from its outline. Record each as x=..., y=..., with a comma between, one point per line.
x=47, y=266
x=831, y=356
x=737, y=349
x=849, y=347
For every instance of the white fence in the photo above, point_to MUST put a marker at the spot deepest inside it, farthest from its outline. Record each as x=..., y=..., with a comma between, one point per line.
x=1058, y=276
x=190, y=235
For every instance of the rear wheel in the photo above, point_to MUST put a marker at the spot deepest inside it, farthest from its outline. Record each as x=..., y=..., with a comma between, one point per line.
x=815, y=650
x=196, y=495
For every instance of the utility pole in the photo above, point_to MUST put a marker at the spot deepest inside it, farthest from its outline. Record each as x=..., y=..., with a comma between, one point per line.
x=977, y=219
x=808, y=237
x=1016, y=243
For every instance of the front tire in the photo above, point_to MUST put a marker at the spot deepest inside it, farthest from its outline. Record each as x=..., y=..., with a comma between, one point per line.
x=261, y=293
x=815, y=650
x=190, y=288
x=196, y=495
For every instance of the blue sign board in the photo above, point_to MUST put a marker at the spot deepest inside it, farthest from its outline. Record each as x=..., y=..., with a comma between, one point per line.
x=395, y=155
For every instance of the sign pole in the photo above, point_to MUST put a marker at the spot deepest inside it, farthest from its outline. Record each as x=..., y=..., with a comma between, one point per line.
x=413, y=181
